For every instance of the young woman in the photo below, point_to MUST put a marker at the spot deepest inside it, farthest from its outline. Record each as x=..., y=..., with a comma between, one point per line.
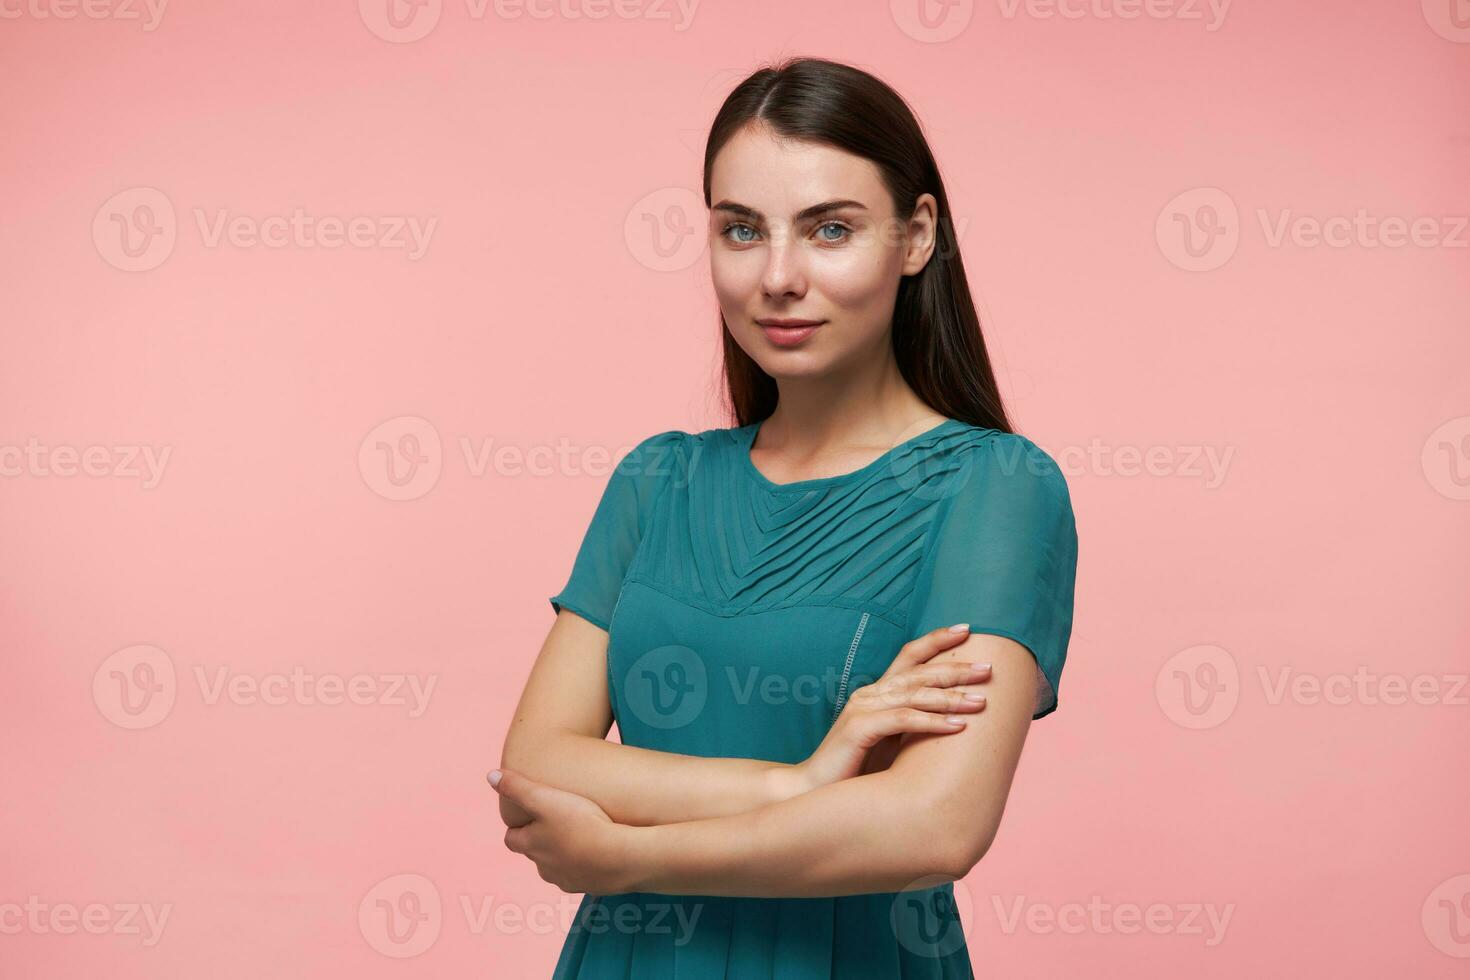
x=824, y=632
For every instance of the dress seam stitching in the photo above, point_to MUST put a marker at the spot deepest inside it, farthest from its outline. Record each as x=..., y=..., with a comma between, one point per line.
x=857, y=638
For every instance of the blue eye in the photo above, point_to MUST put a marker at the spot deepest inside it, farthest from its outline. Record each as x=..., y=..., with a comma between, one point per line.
x=732, y=227
x=833, y=224
x=735, y=232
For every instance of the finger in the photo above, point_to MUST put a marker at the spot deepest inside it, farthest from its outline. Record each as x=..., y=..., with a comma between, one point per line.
x=518, y=839
x=921, y=648
x=520, y=790
x=515, y=817
x=912, y=692
x=896, y=721
x=888, y=691
x=949, y=673
x=944, y=700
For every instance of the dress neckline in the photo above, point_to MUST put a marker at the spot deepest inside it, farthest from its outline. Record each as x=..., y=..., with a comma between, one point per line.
x=747, y=440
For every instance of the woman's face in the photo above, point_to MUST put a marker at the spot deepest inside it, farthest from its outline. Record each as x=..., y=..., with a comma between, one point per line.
x=806, y=233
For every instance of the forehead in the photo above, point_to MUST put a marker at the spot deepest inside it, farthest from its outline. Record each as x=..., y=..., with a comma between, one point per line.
x=779, y=176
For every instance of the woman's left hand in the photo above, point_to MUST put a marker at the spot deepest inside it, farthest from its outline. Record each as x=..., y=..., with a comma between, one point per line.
x=574, y=844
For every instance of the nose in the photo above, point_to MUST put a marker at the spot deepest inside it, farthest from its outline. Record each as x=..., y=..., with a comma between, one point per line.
x=784, y=274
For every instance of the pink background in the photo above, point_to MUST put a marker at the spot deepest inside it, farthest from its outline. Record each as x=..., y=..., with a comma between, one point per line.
x=1330, y=382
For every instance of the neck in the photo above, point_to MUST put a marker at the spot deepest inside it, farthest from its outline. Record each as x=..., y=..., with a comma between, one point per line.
x=869, y=405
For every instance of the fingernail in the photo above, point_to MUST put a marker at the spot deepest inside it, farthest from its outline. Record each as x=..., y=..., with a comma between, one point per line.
x=981, y=666
x=494, y=777
x=960, y=628
x=954, y=719
x=972, y=696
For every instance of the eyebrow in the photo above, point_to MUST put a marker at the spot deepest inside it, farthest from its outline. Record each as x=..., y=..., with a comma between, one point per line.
x=802, y=215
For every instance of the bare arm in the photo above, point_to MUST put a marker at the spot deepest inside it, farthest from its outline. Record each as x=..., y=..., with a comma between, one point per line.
x=934, y=811
x=558, y=736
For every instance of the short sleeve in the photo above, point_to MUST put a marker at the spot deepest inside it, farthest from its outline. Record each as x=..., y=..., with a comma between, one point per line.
x=1005, y=559
x=617, y=525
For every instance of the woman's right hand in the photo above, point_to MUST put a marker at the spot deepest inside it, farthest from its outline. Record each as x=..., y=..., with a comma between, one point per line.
x=911, y=696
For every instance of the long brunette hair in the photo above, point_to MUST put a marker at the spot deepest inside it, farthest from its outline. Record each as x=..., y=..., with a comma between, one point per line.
x=936, y=331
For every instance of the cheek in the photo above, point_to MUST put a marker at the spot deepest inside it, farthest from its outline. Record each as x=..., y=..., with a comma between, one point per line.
x=856, y=279
x=736, y=276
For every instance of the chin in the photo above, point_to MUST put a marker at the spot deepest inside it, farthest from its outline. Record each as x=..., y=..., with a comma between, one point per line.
x=793, y=363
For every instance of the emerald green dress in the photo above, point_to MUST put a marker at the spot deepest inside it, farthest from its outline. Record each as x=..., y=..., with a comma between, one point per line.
x=741, y=613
